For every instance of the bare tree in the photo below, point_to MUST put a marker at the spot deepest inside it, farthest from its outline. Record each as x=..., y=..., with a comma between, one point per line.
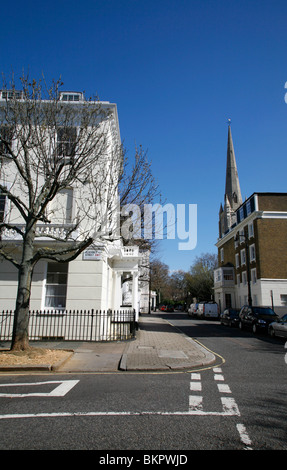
x=137, y=190
x=50, y=149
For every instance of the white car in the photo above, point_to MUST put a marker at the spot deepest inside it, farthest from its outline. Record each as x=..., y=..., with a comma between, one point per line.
x=279, y=328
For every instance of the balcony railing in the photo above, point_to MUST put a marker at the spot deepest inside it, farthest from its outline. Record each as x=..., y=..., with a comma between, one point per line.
x=43, y=231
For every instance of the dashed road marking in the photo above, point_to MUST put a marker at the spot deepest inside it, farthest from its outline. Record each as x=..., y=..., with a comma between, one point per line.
x=195, y=386
x=223, y=388
x=229, y=405
x=244, y=436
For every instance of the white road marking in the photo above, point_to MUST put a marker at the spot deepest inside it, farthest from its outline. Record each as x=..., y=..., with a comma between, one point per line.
x=229, y=405
x=114, y=413
x=223, y=388
x=195, y=386
x=244, y=436
x=195, y=376
x=195, y=404
x=60, y=391
x=218, y=377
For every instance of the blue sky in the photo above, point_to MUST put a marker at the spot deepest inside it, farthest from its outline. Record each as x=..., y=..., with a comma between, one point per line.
x=177, y=69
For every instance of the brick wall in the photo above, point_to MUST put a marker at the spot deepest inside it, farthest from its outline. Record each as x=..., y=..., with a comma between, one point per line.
x=271, y=248
x=272, y=202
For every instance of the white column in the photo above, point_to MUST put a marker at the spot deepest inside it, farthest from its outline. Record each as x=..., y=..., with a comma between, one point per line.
x=118, y=290
x=135, y=303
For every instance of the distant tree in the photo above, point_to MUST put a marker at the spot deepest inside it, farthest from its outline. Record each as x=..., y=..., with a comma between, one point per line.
x=200, y=282
x=178, y=286
x=160, y=281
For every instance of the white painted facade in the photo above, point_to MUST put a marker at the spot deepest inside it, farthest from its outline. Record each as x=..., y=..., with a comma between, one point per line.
x=96, y=279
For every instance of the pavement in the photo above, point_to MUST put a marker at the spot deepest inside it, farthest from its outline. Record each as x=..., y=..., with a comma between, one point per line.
x=158, y=346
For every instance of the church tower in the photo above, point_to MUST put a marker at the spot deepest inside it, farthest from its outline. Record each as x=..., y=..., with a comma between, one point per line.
x=232, y=197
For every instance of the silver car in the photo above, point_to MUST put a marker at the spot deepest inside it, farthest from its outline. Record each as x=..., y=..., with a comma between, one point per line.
x=279, y=328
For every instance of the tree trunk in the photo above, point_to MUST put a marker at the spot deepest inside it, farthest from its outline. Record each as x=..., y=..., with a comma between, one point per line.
x=20, y=337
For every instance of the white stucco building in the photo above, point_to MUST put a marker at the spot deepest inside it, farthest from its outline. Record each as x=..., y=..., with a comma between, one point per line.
x=107, y=274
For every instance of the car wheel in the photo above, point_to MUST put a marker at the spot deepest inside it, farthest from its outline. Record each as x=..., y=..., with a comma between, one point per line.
x=272, y=333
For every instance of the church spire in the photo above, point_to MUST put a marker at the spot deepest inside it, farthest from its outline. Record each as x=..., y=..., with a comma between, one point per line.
x=232, y=197
x=232, y=187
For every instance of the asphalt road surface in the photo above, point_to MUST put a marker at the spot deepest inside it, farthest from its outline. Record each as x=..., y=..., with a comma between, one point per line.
x=238, y=404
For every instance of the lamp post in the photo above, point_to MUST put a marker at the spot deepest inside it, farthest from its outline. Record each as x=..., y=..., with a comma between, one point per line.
x=247, y=265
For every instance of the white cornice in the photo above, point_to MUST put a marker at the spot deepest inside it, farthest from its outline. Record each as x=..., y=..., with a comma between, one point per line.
x=274, y=215
x=254, y=215
x=232, y=233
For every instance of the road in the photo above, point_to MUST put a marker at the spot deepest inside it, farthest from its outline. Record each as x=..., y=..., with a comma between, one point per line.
x=240, y=403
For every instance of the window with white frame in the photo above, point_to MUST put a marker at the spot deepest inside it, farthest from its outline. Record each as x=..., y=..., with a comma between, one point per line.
x=244, y=278
x=250, y=230
x=218, y=275
x=252, y=254
x=253, y=276
x=237, y=262
x=222, y=254
x=243, y=257
x=238, y=279
x=4, y=202
x=6, y=136
x=66, y=141
x=56, y=285
x=236, y=242
x=11, y=94
x=71, y=96
x=283, y=298
x=2, y=207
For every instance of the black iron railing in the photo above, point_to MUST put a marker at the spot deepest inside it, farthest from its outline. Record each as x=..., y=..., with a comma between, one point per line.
x=73, y=325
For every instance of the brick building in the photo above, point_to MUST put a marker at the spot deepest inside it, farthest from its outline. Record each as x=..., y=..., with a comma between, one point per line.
x=252, y=246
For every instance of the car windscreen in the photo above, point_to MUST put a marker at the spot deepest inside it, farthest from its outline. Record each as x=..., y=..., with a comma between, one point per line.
x=264, y=311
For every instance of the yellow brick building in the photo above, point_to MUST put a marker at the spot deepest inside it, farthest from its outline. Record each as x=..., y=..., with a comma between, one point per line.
x=252, y=246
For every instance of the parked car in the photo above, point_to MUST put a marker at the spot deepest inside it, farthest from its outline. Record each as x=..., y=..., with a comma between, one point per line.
x=163, y=308
x=192, y=310
x=279, y=328
x=256, y=318
x=230, y=317
x=169, y=308
x=207, y=310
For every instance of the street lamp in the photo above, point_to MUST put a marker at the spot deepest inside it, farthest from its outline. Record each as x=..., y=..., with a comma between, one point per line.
x=247, y=265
